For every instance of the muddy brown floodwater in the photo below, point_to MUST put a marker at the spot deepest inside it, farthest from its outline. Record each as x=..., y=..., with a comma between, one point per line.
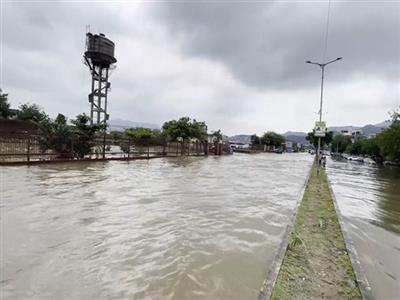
x=369, y=198
x=186, y=228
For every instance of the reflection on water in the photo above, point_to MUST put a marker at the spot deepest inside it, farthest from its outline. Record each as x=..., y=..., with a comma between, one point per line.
x=369, y=198
x=169, y=228
x=389, y=204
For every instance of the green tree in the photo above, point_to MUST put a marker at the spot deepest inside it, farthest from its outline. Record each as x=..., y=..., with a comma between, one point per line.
x=389, y=142
x=55, y=135
x=355, y=148
x=389, y=139
x=217, y=135
x=5, y=111
x=184, y=128
x=255, y=139
x=339, y=143
x=116, y=135
x=31, y=112
x=271, y=138
x=140, y=136
x=370, y=147
x=326, y=140
x=84, y=135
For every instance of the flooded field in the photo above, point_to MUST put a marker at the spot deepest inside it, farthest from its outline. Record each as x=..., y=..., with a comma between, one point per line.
x=369, y=199
x=184, y=228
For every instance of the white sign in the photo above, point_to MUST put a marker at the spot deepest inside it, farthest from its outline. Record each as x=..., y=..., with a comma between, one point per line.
x=320, y=129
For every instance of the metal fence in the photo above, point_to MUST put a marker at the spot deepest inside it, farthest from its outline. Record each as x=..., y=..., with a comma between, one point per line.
x=25, y=148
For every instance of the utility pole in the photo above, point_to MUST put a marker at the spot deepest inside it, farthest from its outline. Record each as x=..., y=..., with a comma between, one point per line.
x=322, y=66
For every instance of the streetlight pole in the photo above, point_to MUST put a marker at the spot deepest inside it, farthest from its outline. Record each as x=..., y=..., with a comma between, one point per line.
x=322, y=66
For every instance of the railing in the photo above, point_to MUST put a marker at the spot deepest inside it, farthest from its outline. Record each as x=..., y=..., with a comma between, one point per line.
x=25, y=148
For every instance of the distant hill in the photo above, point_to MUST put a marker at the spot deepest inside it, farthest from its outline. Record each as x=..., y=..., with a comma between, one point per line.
x=371, y=129
x=120, y=125
x=296, y=137
x=341, y=128
x=366, y=130
x=384, y=124
x=295, y=133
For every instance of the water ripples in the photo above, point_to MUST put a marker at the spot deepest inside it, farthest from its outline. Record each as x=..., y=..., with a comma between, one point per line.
x=369, y=198
x=166, y=228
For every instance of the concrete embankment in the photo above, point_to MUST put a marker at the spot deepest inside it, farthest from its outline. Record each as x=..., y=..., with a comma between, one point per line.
x=316, y=264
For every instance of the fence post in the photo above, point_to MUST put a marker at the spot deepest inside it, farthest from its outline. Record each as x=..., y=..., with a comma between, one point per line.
x=29, y=150
x=129, y=148
x=104, y=145
x=148, y=150
x=72, y=146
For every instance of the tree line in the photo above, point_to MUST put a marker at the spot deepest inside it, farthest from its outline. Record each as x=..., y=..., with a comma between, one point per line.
x=384, y=146
x=77, y=137
x=269, y=138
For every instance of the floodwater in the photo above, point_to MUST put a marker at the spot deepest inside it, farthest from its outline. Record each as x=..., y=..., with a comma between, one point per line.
x=172, y=228
x=369, y=198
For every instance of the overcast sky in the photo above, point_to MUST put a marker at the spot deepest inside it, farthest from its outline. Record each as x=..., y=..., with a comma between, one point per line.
x=238, y=65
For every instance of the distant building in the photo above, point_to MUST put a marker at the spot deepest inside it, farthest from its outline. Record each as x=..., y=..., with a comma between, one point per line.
x=288, y=146
x=353, y=134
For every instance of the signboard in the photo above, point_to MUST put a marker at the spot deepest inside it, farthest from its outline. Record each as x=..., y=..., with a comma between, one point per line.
x=320, y=129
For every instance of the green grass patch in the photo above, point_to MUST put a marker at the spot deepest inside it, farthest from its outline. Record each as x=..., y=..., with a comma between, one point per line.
x=316, y=263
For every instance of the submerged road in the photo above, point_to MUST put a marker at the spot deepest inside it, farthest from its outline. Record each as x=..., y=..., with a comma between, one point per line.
x=369, y=199
x=171, y=228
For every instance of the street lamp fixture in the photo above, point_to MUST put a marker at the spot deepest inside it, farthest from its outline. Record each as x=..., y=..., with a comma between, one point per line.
x=322, y=66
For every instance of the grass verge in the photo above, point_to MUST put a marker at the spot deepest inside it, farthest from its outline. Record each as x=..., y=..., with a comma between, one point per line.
x=316, y=263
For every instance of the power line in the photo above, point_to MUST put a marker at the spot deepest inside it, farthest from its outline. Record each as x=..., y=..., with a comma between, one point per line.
x=326, y=32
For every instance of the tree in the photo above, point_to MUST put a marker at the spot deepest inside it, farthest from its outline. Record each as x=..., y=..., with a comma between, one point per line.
x=355, y=148
x=255, y=139
x=370, y=147
x=271, y=138
x=141, y=136
x=84, y=135
x=116, y=135
x=184, y=128
x=326, y=140
x=5, y=111
x=56, y=135
x=339, y=143
x=217, y=135
x=389, y=140
x=31, y=112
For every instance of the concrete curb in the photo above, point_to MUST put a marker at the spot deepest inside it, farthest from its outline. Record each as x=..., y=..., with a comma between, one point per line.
x=361, y=278
x=273, y=271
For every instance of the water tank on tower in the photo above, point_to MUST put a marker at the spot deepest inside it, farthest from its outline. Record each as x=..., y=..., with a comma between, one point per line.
x=99, y=56
x=100, y=49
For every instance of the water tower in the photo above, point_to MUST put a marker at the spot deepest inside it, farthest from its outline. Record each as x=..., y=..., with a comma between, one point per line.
x=99, y=56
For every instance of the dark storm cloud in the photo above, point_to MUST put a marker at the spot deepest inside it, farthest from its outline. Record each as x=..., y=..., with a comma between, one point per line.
x=265, y=44
x=43, y=26
x=43, y=44
x=238, y=65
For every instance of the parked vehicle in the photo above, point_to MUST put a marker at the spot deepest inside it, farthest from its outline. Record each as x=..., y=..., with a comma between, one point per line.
x=369, y=161
x=356, y=158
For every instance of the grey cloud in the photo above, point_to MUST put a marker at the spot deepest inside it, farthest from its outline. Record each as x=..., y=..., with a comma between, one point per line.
x=237, y=66
x=265, y=44
x=44, y=26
